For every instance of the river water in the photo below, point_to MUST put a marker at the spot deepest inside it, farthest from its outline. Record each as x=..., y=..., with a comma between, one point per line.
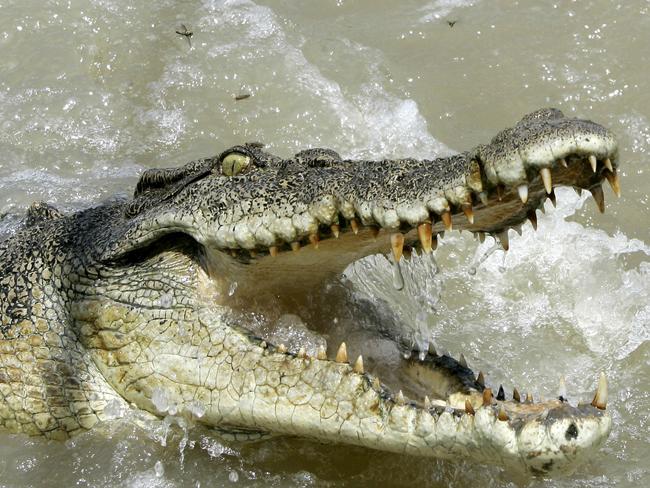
x=93, y=92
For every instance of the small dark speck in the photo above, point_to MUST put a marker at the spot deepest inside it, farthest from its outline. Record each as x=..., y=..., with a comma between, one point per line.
x=571, y=432
x=243, y=96
x=451, y=23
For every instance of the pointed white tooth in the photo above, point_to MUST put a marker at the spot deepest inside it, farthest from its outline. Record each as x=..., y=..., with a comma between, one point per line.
x=608, y=164
x=322, y=353
x=564, y=163
x=427, y=402
x=342, y=354
x=302, y=353
x=400, y=398
x=600, y=399
x=562, y=389
x=358, y=365
x=483, y=197
x=593, y=161
x=523, y=192
x=546, y=178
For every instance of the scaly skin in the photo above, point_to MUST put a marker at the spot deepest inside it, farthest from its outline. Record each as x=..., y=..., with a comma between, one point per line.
x=129, y=301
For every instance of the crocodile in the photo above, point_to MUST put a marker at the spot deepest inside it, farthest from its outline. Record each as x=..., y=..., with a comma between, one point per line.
x=147, y=301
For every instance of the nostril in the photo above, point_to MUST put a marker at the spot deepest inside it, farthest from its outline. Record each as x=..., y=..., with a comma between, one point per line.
x=571, y=432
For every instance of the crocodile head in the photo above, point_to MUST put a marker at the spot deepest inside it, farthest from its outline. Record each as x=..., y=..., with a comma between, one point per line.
x=201, y=246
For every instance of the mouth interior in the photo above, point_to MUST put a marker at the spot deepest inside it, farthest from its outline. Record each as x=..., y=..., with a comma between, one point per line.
x=301, y=282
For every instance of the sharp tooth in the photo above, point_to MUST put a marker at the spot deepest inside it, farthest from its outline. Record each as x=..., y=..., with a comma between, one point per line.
x=376, y=384
x=608, y=164
x=358, y=365
x=374, y=231
x=427, y=403
x=529, y=398
x=314, y=239
x=593, y=161
x=273, y=251
x=469, y=213
x=546, y=178
x=503, y=416
x=515, y=395
x=481, y=237
x=501, y=395
x=424, y=233
x=523, y=192
x=462, y=361
x=500, y=191
x=480, y=379
x=487, y=397
x=552, y=198
x=600, y=398
x=282, y=348
x=397, y=245
x=503, y=239
x=599, y=197
x=483, y=197
x=446, y=219
x=612, y=179
x=336, y=230
x=563, y=162
x=322, y=353
x=432, y=349
x=532, y=216
x=561, y=393
x=468, y=407
x=399, y=399
x=295, y=246
x=263, y=344
x=302, y=353
x=342, y=354
x=355, y=226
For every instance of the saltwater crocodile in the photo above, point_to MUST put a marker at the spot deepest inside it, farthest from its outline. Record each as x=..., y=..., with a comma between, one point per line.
x=133, y=301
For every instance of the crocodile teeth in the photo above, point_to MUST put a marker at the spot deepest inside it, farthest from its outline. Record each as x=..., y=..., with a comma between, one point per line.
x=462, y=361
x=342, y=354
x=468, y=407
x=483, y=197
x=358, y=365
x=593, y=161
x=599, y=197
x=608, y=164
x=427, y=403
x=355, y=226
x=376, y=384
x=282, y=348
x=322, y=353
x=336, y=230
x=546, y=178
x=529, y=398
x=480, y=379
x=552, y=198
x=561, y=392
x=295, y=246
x=273, y=251
x=515, y=395
x=523, y=193
x=501, y=395
x=399, y=399
x=481, y=237
x=469, y=213
x=600, y=398
x=302, y=353
x=446, y=219
x=503, y=239
x=487, y=397
x=532, y=216
x=424, y=234
x=503, y=416
x=612, y=179
x=397, y=245
x=263, y=344
x=563, y=162
x=314, y=239
x=432, y=349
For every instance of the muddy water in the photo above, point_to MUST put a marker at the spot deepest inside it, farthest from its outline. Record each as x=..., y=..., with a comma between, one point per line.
x=93, y=92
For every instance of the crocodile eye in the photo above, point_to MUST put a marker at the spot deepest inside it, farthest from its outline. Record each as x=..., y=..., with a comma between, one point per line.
x=234, y=163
